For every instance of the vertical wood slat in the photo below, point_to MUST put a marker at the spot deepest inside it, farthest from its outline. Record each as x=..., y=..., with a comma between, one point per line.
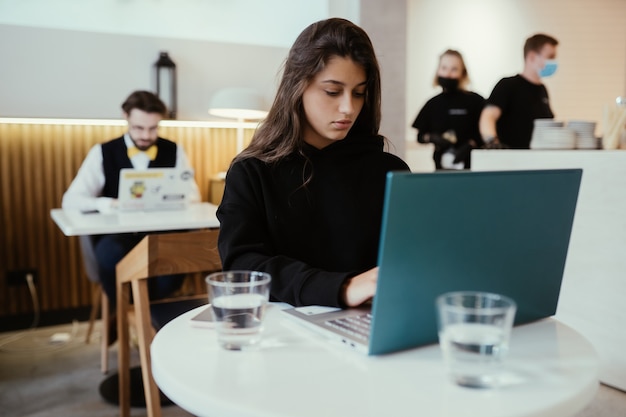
x=37, y=164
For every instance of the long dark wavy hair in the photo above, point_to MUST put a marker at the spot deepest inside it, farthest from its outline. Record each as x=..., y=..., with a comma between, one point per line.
x=282, y=131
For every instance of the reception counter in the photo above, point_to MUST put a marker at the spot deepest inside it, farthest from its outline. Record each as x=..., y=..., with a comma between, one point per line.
x=593, y=293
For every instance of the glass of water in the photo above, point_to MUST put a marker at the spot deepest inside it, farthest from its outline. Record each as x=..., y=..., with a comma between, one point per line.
x=238, y=300
x=474, y=333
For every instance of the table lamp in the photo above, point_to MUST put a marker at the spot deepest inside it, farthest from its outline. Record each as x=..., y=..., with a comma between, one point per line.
x=165, y=74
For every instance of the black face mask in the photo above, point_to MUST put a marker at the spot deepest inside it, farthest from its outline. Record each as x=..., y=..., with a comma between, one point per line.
x=450, y=84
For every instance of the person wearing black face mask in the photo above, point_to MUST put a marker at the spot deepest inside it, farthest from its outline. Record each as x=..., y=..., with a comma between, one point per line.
x=449, y=84
x=450, y=119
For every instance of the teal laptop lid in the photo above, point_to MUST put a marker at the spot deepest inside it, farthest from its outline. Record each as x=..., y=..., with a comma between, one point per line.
x=503, y=232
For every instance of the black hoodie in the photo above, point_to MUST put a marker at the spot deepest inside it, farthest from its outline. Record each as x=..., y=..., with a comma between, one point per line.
x=309, y=238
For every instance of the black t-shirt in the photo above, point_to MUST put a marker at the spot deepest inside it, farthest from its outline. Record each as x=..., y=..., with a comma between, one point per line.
x=521, y=102
x=456, y=110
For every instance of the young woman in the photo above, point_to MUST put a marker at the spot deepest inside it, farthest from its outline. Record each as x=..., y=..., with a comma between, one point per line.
x=304, y=201
x=450, y=120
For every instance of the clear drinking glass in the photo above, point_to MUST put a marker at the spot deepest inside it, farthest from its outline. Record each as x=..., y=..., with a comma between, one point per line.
x=474, y=333
x=238, y=300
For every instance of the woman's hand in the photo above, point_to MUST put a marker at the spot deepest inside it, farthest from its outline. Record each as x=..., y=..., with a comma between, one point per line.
x=361, y=288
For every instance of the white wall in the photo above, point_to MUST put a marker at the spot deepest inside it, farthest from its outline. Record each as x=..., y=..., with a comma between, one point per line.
x=250, y=22
x=62, y=73
x=385, y=22
x=63, y=58
x=72, y=74
x=491, y=34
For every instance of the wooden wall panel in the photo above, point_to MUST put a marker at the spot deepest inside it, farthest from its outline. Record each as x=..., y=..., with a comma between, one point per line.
x=37, y=164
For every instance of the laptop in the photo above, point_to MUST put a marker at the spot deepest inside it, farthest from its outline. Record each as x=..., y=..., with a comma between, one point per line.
x=502, y=232
x=154, y=189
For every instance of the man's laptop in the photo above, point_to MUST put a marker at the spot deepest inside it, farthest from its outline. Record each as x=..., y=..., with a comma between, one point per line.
x=154, y=189
x=503, y=232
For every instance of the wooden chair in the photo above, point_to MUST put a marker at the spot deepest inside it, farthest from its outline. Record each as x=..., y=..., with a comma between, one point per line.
x=155, y=255
x=100, y=301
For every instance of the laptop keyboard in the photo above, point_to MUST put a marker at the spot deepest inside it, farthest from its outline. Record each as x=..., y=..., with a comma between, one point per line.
x=356, y=326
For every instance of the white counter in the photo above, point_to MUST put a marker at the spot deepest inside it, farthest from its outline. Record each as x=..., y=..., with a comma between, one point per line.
x=593, y=294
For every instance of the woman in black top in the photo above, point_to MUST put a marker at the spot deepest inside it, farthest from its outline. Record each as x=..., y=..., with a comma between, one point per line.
x=304, y=200
x=450, y=120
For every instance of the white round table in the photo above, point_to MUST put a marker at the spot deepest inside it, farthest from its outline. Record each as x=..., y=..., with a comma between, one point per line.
x=552, y=372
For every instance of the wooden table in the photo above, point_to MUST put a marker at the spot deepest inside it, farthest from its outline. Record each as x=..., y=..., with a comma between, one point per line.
x=151, y=257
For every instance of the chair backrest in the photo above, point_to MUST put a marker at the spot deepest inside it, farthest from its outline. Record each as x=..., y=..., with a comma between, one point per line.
x=156, y=255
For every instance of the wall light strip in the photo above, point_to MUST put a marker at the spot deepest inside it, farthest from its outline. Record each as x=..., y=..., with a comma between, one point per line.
x=43, y=121
x=120, y=122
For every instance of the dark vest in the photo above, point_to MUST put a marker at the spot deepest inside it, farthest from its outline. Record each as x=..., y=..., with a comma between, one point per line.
x=115, y=157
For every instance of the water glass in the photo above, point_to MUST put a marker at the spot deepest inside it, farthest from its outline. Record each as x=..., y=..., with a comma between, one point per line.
x=474, y=333
x=238, y=300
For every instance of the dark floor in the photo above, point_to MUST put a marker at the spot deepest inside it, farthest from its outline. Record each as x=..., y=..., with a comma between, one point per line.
x=40, y=378
x=50, y=318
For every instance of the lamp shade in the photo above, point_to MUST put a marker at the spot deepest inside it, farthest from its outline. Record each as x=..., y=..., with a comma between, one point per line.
x=238, y=103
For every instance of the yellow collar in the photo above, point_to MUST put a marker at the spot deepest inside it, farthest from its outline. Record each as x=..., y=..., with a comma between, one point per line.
x=151, y=152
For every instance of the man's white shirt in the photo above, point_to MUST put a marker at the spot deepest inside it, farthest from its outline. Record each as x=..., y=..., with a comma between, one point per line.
x=85, y=191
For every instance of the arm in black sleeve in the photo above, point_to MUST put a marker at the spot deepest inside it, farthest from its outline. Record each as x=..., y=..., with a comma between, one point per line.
x=249, y=240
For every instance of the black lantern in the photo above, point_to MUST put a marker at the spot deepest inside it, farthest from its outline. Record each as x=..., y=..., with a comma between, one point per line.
x=166, y=82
